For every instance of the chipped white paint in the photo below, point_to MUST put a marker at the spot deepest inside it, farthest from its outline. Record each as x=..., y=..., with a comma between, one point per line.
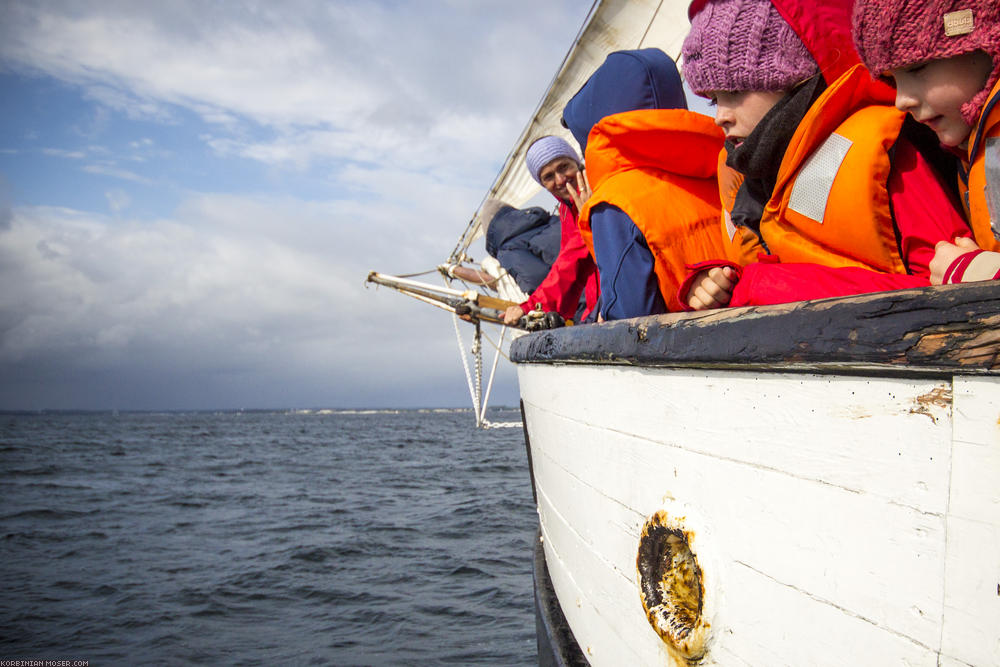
x=846, y=520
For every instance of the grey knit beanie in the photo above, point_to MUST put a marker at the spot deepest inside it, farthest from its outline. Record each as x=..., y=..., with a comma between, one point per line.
x=546, y=150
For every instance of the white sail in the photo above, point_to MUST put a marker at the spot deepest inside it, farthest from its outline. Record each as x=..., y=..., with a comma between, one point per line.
x=612, y=25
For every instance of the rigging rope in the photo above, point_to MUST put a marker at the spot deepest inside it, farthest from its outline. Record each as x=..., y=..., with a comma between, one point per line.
x=414, y=275
x=460, y=303
x=502, y=424
x=477, y=352
x=482, y=403
x=465, y=365
x=475, y=385
x=498, y=346
x=493, y=374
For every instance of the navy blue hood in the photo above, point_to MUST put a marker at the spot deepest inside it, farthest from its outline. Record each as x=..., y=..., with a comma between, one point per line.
x=628, y=80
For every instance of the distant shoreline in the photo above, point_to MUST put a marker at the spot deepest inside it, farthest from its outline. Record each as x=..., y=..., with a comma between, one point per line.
x=233, y=411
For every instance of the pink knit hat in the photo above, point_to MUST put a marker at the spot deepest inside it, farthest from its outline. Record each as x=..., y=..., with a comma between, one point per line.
x=893, y=33
x=743, y=45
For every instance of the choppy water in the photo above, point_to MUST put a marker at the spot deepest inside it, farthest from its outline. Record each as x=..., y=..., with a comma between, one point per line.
x=388, y=538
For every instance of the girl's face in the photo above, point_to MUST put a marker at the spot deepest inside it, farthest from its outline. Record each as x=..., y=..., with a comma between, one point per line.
x=934, y=92
x=738, y=113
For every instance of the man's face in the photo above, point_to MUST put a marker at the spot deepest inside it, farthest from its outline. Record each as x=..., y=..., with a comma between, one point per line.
x=558, y=176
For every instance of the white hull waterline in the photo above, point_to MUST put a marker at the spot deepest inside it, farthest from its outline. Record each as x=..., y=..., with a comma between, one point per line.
x=826, y=477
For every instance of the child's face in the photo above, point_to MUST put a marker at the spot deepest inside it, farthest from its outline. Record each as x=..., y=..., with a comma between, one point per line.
x=934, y=92
x=738, y=112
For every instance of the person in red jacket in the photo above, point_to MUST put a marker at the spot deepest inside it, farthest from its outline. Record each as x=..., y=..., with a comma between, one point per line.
x=841, y=194
x=943, y=58
x=555, y=165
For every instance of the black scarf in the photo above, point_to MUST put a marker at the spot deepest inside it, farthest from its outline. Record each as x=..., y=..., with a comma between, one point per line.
x=759, y=157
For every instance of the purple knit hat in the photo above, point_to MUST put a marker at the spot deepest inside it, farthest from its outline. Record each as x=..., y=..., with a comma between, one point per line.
x=545, y=150
x=743, y=45
x=892, y=33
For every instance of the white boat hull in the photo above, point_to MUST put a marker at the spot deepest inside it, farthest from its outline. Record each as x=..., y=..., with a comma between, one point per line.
x=838, y=518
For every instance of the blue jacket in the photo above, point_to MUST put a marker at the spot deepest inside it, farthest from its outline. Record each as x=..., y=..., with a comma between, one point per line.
x=525, y=242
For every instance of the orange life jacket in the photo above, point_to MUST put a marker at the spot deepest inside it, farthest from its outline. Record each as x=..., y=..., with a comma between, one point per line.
x=982, y=192
x=659, y=167
x=742, y=244
x=830, y=204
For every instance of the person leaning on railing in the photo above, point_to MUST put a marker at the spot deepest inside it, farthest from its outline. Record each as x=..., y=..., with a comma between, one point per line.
x=943, y=59
x=554, y=164
x=842, y=194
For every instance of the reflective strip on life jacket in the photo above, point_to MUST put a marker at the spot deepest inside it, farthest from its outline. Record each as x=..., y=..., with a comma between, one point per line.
x=814, y=182
x=831, y=204
x=742, y=244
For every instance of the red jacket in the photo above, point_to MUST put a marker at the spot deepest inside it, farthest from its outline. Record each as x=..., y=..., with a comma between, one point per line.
x=573, y=272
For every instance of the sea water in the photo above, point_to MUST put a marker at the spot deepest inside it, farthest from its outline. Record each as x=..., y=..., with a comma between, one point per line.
x=265, y=538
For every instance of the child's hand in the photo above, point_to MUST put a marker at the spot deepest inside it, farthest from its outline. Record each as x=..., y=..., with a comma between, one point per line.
x=712, y=288
x=945, y=253
x=579, y=190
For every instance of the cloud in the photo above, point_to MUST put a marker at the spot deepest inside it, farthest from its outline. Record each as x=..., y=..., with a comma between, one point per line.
x=217, y=293
x=397, y=115
x=132, y=106
x=344, y=71
x=6, y=214
x=59, y=152
x=185, y=53
x=118, y=200
x=115, y=172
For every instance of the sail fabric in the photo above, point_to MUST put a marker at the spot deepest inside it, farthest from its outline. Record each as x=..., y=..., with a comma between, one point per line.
x=613, y=25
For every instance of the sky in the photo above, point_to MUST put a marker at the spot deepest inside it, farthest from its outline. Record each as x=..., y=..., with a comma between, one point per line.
x=192, y=194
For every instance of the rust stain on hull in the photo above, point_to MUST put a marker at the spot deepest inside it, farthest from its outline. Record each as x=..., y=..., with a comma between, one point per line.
x=939, y=397
x=671, y=588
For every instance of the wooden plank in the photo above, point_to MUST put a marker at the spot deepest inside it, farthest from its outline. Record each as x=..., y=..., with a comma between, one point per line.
x=860, y=552
x=609, y=528
x=945, y=661
x=596, y=606
x=809, y=426
x=810, y=633
x=863, y=505
x=953, y=327
x=764, y=622
x=609, y=585
x=971, y=631
x=975, y=472
x=979, y=409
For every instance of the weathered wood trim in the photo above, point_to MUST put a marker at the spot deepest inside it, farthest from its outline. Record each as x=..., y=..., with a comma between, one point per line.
x=954, y=328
